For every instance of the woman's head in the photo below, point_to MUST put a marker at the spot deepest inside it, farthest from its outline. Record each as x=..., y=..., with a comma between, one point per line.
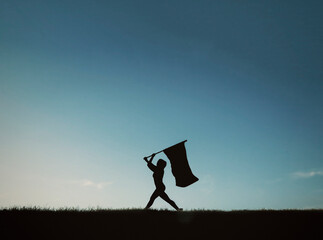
x=161, y=163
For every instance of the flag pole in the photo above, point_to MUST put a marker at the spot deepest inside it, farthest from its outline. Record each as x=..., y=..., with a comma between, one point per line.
x=155, y=153
x=166, y=148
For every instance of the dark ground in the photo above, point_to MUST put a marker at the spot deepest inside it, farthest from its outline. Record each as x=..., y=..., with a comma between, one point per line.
x=160, y=224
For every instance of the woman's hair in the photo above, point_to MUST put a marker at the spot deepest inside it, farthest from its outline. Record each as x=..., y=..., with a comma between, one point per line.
x=161, y=163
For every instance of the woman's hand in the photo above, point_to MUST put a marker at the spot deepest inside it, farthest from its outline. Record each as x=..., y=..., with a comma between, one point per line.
x=152, y=157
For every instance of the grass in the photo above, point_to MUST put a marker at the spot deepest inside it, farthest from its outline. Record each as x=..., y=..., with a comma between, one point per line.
x=39, y=223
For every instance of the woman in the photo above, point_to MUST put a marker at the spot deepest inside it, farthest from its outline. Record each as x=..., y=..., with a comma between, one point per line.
x=158, y=179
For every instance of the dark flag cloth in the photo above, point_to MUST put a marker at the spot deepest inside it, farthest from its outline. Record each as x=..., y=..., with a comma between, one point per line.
x=180, y=167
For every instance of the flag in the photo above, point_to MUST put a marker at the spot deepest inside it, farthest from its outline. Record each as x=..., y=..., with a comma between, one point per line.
x=179, y=164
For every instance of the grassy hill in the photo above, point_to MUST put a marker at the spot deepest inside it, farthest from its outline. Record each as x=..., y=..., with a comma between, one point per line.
x=160, y=224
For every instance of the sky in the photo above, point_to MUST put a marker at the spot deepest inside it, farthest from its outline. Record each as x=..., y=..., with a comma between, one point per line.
x=88, y=88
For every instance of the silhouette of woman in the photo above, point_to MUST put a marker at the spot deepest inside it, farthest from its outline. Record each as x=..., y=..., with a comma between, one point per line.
x=158, y=179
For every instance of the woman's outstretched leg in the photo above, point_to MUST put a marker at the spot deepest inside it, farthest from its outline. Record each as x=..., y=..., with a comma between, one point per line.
x=171, y=202
x=152, y=199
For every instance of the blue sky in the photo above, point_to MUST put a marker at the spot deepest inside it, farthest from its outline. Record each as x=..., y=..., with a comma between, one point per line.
x=88, y=88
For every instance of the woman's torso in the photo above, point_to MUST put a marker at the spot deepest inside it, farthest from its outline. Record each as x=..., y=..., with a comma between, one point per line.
x=158, y=179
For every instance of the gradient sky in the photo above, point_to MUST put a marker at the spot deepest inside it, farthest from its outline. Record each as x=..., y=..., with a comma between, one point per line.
x=88, y=88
